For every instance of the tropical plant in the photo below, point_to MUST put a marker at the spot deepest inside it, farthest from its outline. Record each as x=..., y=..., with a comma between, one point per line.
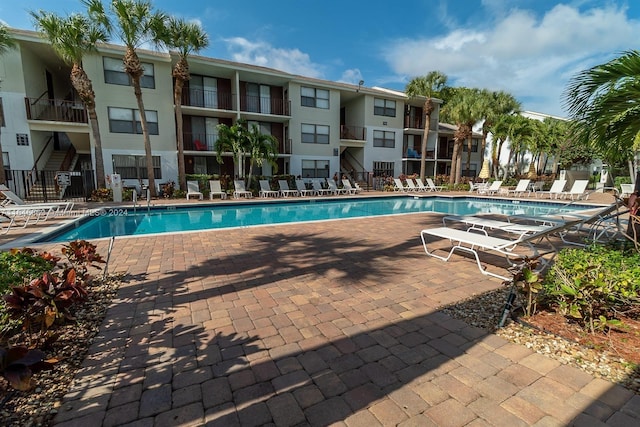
x=72, y=37
x=463, y=108
x=137, y=23
x=185, y=37
x=428, y=86
x=495, y=105
x=604, y=105
x=6, y=42
x=261, y=147
x=18, y=364
x=232, y=139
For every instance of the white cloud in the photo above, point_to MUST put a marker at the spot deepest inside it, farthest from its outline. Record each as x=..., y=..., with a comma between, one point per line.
x=263, y=54
x=530, y=57
x=352, y=76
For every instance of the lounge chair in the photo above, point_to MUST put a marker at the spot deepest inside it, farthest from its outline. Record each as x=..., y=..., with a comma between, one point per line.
x=399, y=186
x=432, y=186
x=215, y=189
x=491, y=189
x=333, y=188
x=626, y=190
x=478, y=186
x=536, y=187
x=285, y=191
x=578, y=190
x=411, y=186
x=266, y=191
x=193, y=190
x=240, y=191
x=482, y=224
x=12, y=198
x=556, y=189
x=302, y=188
x=521, y=188
x=318, y=189
x=26, y=213
x=346, y=184
x=525, y=245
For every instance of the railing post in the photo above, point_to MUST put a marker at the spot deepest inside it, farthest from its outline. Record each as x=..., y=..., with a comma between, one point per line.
x=43, y=180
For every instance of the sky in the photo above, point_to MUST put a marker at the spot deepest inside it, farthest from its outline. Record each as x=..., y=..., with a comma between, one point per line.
x=528, y=48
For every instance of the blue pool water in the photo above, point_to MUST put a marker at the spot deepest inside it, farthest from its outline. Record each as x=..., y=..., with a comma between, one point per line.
x=124, y=222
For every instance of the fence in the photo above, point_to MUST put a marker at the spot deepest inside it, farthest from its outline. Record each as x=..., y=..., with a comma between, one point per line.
x=46, y=186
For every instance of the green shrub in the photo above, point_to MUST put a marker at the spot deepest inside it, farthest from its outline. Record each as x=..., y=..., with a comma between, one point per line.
x=19, y=266
x=594, y=284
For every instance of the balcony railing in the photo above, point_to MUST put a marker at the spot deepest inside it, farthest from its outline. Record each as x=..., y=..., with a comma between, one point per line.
x=264, y=105
x=413, y=123
x=207, y=99
x=200, y=141
x=413, y=153
x=56, y=110
x=353, y=132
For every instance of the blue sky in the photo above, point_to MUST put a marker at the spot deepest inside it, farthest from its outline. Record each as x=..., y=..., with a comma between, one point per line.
x=529, y=48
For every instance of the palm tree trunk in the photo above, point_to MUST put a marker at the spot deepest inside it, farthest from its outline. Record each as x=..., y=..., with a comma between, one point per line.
x=177, y=98
x=145, y=134
x=454, y=156
x=97, y=141
x=469, y=153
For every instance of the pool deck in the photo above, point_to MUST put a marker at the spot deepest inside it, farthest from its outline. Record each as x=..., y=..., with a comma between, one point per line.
x=324, y=323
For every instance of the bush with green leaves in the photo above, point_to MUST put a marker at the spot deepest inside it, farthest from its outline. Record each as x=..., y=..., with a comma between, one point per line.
x=594, y=285
x=19, y=266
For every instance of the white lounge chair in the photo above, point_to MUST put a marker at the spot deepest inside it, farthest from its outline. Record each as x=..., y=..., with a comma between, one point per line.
x=578, y=190
x=334, y=188
x=12, y=198
x=478, y=186
x=521, y=188
x=432, y=186
x=491, y=189
x=399, y=186
x=266, y=191
x=346, y=184
x=285, y=191
x=215, y=189
x=411, y=186
x=240, y=190
x=302, y=188
x=193, y=190
x=556, y=189
x=626, y=190
x=318, y=189
x=482, y=224
x=525, y=245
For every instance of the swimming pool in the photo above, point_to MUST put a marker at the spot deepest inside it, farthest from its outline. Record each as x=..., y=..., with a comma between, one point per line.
x=166, y=219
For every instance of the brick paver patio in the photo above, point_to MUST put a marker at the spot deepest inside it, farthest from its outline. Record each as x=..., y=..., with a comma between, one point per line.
x=329, y=323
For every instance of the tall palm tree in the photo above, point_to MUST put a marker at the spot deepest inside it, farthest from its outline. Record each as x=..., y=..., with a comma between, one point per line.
x=185, y=37
x=495, y=105
x=428, y=86
x=72, y=37
x=464, y=108
x=137, y=23
x=6, y=42
x=260, y=147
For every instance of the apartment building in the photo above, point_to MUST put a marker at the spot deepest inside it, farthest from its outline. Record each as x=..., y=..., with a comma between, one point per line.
x=322, y=127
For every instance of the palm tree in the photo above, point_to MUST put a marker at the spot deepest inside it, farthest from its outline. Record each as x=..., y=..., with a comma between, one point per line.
x=137, y=23
x=260, y=147
x=496, y=105
x=463, y=108
x=72, y=37
x=232, y=139
x=186, y=38
x=6, y=42
x=427, y=86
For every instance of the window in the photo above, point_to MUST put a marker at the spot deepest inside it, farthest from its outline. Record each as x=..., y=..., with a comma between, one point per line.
x=383, y=138
x=315, y=168
x=135, y=167
x=126, y=120
x=1, y=114
x=315, y=134
x=383, y=169
x=384, y=107
x=310, y=97
x=114, y=73
x=474, y=146
x=22, y=139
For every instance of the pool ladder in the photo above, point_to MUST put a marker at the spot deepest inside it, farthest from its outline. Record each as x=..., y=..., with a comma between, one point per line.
x=135, y=201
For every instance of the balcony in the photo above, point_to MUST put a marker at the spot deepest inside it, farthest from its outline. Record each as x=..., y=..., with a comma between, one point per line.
x=207, y=99
x=356, y=133
x=412, y=153
x=264, y=105
x=199, y=141
x=55, y=110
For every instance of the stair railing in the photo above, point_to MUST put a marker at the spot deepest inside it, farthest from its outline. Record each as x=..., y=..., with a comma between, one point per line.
x=33, y=173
